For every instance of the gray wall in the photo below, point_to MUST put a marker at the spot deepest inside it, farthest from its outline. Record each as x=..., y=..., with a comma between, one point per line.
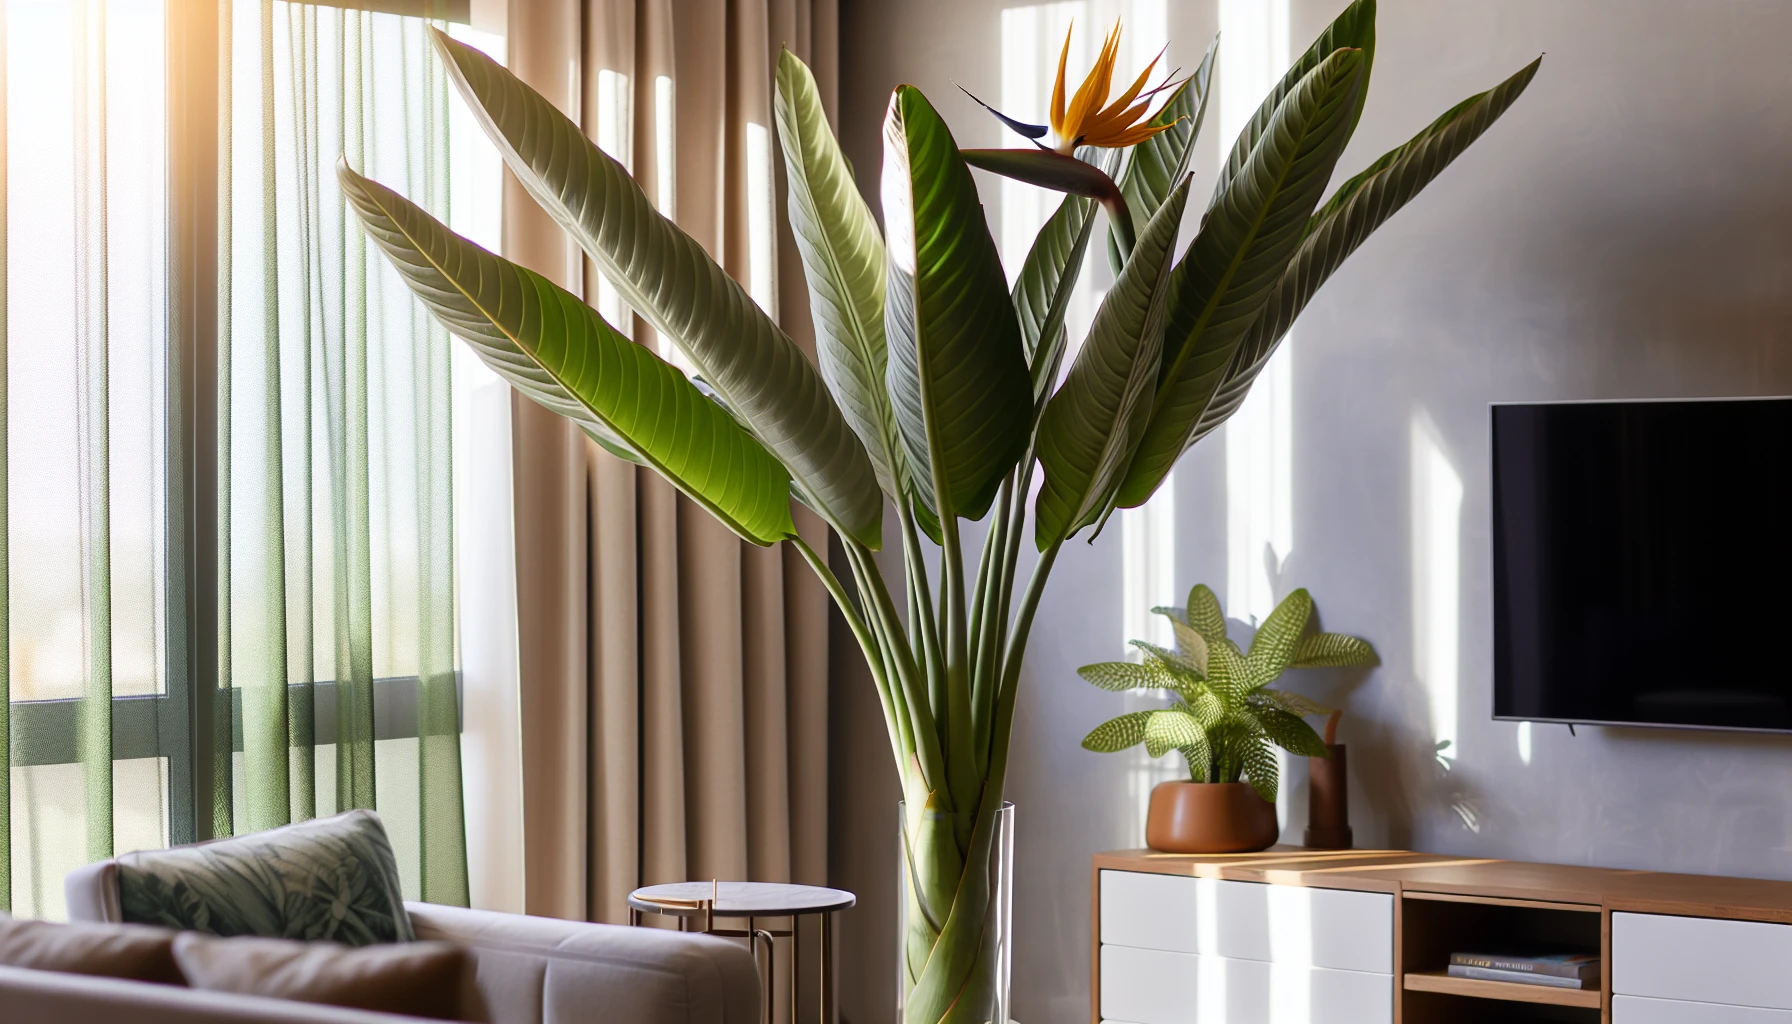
x=1626, y=231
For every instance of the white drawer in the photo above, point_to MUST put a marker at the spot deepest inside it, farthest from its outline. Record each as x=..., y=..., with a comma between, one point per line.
x=1147, y=986
x=1701, y=960
x=1291, y=924
x=1149, y=911
x=1284, y=924
x=1642, y=1010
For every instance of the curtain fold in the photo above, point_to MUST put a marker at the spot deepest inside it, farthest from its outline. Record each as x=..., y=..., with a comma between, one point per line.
x=674, y=678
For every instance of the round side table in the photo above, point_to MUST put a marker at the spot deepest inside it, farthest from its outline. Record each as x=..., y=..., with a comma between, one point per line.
x=698, y=905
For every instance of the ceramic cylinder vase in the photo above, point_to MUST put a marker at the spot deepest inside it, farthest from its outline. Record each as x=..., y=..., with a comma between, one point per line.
x=1209, y=817
x=1328, y=803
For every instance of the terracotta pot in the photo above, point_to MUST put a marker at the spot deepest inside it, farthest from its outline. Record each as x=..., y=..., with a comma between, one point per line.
x=1210, y=817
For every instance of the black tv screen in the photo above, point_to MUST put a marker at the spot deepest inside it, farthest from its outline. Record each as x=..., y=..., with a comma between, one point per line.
x=1642, y=563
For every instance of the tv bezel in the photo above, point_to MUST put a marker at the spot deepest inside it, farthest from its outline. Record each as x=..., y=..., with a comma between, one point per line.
x=1493, y=537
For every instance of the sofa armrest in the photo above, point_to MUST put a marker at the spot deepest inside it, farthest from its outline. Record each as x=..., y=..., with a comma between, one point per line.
x=46, y=997
x=537, y=970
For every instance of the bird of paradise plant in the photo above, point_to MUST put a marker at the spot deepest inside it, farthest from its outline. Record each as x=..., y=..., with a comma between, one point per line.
x=935, y=392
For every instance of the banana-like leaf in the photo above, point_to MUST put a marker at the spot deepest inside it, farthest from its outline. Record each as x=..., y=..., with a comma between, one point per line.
x=1260, y=768
x=1353, y=29
x=1244, y=243
x=1192, y=645
x=1060, y=173
x=665, y=275
x=1124, y=675
x=1332, y=650
x=1047, y=278
x=1093, y=422
x=1117, y=734
x=557, y=351
x=1273, y=646
x=1167, y=730
x=1204, y=613
x=1360, y=205
x=843, y=262
x=957, y=378
x=1157, y=164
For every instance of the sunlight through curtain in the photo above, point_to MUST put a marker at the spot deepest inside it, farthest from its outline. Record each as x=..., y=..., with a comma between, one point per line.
x=336, y=545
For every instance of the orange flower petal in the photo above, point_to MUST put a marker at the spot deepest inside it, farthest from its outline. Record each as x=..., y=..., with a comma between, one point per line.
x=1132, y=93
x=1057, y=116
x=1094, y=90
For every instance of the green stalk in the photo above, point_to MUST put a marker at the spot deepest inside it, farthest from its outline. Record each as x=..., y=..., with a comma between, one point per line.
x=923, y=741
x=873, y=651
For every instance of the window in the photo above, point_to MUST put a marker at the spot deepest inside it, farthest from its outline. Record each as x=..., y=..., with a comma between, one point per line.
x=229, y=597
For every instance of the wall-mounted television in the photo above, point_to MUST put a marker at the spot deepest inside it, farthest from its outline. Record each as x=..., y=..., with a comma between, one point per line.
x=1642, y=563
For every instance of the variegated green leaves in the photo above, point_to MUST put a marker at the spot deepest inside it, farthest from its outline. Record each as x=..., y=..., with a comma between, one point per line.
x=1225, y=719
x=669, y=279
x=957, y=378
x=560, y=353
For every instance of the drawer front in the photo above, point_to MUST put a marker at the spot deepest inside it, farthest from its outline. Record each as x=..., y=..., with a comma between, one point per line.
x=1143, y=986
x=1150, y=911
x=1284, y=924
x=1642, y=1010
x=1291, y=924
x=1701, y=960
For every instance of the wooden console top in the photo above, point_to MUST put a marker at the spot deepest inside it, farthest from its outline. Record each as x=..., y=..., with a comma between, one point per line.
x=1402, y=872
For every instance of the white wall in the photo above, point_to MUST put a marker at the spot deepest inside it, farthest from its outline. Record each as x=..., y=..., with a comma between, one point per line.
x=1625, y=231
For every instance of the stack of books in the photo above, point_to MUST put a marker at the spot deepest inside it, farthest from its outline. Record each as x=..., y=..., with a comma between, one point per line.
x=1562, y=970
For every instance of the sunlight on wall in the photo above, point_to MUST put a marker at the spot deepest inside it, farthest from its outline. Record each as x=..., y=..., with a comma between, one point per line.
x=762, y=276
x=615, y=135
x=664, y=153
x=1436, y=578
x=1524, y=742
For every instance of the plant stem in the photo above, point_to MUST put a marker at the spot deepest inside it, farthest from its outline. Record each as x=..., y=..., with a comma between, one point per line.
x=868, y=643
x=922, y=738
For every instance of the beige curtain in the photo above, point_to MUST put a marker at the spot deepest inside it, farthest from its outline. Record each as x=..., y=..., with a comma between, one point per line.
x=674, y=678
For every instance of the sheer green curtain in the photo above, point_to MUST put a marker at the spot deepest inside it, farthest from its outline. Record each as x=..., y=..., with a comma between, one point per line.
x=337, y=655
x=336, y=553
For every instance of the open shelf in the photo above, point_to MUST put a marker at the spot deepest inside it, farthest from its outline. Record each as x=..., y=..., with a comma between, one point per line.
x=1550, y=995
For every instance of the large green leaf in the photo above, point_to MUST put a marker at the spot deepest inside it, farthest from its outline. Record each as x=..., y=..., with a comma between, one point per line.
x=666, y=276
x=957, y=377
x=1124, y=675
x=1290, y=732
x=560, y=353
x=1204, y=613
x=1360, y=205
x=1353, y=29
x=1094, y=421
x=1244, y=243
x=1260, y=767
x=1157, y=164
x=843, y=262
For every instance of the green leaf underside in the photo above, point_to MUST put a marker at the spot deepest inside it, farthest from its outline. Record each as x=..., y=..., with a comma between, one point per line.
x=1158, y=163
x=1124, y=675
x=1332, y=650
x=843, y=264
x=1192, y=645
x=1092, y=423
x=1117, y=734
x=1238, y=256
x=957, y=377
x=1273, y=646
x=1204, y=613
x=1167, y=730
x=1345, y=222
x=558, y=352
x=1352, y=29
x=670, y=280
x=1291, y=702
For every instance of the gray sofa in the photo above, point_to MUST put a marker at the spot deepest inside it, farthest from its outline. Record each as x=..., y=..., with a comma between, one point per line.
x=531, y=970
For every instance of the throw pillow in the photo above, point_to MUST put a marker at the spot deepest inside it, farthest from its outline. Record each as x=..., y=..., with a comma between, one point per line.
x=421, y=979
x=130, y=951
x=329, y=879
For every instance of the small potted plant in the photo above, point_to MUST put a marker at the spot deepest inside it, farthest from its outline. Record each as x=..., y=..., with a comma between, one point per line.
x=1224, y=719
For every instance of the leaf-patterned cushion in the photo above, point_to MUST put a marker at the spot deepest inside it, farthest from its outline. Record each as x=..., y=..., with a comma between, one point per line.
x=329, y=878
